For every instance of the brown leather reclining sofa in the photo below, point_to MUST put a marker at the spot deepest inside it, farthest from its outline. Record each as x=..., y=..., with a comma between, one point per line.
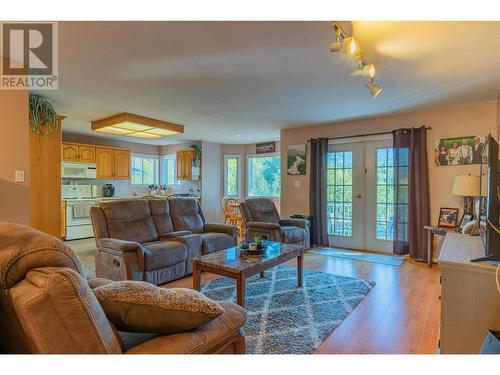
x=154, y=240
x=47, y=306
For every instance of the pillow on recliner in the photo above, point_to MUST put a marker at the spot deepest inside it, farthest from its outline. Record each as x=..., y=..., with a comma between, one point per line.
x=137, y=306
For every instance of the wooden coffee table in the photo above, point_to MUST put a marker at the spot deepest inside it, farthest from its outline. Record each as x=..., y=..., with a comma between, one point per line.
x=235, y=264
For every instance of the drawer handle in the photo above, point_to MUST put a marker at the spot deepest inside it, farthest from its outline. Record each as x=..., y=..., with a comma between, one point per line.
x=116, y=262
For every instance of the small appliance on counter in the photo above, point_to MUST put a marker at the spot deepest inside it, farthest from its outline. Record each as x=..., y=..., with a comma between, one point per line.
x=108, y=190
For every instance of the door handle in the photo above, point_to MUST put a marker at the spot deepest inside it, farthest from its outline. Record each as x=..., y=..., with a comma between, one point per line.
x=358, y=196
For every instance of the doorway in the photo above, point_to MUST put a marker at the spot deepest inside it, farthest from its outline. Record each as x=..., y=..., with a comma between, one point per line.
x=361, y=193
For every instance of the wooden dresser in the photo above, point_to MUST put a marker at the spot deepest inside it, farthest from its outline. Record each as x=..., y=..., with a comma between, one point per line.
x=470, y=301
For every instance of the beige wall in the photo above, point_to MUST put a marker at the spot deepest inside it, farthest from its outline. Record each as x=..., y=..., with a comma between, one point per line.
x=14, y=155
x=472, y=119
x=211, y=181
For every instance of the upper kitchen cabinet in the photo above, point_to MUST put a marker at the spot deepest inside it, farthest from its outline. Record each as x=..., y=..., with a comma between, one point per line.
x=122, y=164
x=79, y=153
x=69, y=152
x=112, y=163
x=104, y=158
x=86, y=153
x=185, y=164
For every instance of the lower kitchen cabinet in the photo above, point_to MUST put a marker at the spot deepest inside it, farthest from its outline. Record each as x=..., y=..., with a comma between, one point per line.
x=63, y=219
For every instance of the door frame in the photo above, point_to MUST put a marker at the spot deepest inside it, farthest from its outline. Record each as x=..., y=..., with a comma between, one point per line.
x=367, y=240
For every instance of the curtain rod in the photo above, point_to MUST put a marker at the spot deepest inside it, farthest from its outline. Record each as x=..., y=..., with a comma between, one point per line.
x=364, y=135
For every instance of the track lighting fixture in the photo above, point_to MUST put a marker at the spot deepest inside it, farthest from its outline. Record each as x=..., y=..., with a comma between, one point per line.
x=365, y=71
x=345, y=43
x=375, y=90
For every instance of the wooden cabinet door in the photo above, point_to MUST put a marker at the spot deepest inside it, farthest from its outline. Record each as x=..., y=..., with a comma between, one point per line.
x=69, y=152
x=86, y=154
x=122, y=164
x=185, y=165
x=63, y=219
x=104, y=158
x=179, y=165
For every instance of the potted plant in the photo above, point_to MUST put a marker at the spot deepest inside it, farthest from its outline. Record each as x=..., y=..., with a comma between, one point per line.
x=256, y=244
x=43, y=116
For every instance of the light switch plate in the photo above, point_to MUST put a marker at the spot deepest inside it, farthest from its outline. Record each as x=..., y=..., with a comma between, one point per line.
x=296, y=183
x=19, y=177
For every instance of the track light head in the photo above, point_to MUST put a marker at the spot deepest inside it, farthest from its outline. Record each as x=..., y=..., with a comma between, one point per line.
x=365, y=71
x=375, y=90
x=347, y=45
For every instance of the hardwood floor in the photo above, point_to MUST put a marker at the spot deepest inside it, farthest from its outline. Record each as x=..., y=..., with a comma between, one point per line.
x=400, y=315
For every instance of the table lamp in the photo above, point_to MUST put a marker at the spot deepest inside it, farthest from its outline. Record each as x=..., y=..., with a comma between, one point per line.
x=466, y=186
x=469, y=187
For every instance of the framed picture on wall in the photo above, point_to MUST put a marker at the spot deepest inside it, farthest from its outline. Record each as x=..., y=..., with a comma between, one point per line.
x=459, y=150
x=448, y=217
x=296, y=160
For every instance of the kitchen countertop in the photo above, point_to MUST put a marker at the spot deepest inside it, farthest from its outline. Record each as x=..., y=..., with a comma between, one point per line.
x=112, y=198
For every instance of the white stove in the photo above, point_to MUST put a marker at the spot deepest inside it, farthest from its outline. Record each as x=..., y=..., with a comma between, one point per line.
x=78, y=205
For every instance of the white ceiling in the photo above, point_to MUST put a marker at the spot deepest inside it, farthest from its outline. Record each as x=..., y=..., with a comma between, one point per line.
x=220, y=79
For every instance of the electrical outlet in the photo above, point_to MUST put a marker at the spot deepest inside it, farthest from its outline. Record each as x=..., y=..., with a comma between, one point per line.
x=296, y=184
x=19, y=177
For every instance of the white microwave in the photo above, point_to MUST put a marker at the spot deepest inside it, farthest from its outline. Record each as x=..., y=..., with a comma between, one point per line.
x=78, y=170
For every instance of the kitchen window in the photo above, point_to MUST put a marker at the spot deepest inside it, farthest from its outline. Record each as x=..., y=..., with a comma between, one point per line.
x=232, y=174
x=168, y=170
x=264, y=175
x=145, y=169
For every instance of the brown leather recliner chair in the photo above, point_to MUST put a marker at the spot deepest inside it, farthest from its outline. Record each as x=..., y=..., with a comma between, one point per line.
x=47, y=306
x=261, y=219
x=154, y=240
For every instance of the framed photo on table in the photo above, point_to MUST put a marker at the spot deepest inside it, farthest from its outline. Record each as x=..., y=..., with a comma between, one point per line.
x=448, y=217
x=465, y=219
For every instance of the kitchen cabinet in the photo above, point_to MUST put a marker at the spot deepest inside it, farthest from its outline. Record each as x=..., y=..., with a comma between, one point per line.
x=69, y=152
x=185, y=164
x=104, y=158
x=86, y=153
x=77, y=152
x=122, y=164
x=63, y=219
x=112, y=163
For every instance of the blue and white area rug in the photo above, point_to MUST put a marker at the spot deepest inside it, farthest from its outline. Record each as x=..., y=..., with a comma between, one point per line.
x=284, y=319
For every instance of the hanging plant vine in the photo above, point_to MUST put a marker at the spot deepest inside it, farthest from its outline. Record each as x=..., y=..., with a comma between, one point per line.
x=43, y=116
x=197, y=154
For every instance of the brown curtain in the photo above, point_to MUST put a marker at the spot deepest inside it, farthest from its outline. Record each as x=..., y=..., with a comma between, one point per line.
x=317, y=191
x=411, y=180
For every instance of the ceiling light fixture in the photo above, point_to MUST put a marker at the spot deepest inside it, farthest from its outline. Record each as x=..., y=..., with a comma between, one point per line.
x=365, y=71
x=131, y=125
x=346, y=43
x=375, y=90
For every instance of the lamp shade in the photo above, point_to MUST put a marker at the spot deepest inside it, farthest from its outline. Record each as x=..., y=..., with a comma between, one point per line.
x=466, y=186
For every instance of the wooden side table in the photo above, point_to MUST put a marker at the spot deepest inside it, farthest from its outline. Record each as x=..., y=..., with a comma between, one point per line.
x=431, y=231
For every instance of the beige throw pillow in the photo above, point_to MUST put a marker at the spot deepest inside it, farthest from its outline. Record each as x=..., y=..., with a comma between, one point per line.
x=137, y=306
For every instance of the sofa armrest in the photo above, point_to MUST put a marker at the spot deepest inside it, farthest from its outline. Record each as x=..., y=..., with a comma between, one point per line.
x=209, y=338
x=169, y=235
x=118, y=245
x=221, y=228
x=287, y=221
x=96, y=282
x=263, y=225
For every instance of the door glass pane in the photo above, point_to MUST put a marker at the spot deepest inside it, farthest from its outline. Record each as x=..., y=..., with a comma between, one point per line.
x=339, y=193
x=386, y=193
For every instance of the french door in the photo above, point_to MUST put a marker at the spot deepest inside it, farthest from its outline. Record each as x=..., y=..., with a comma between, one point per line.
x=360, y=194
